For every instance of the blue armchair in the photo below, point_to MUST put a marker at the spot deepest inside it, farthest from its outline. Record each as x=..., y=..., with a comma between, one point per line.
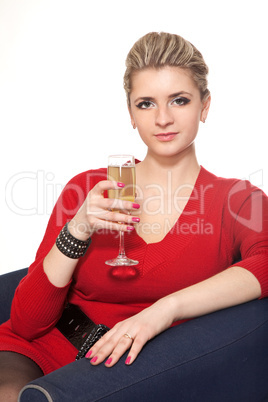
x=215, y=358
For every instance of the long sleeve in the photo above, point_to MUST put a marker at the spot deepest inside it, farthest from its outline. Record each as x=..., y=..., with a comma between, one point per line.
x=225, y=223
x=37, y=304
x=247, y=210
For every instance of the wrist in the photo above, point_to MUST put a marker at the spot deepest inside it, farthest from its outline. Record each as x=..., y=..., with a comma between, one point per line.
x=71, y=246
x=79, y=230
x=173, y=305
x=168, y=306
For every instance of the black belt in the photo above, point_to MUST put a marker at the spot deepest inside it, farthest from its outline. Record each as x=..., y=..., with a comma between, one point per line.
x=80, y=330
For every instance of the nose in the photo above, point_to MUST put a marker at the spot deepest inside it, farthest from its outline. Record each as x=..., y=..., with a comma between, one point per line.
x=164, y=116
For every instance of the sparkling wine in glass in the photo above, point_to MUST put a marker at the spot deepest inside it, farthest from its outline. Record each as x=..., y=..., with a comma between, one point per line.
x=121, y=168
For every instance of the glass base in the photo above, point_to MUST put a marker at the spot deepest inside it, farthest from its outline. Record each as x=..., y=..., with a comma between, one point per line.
x=121, y=261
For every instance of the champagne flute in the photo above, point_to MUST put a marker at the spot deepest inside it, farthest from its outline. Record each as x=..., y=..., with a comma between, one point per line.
x=121, y=168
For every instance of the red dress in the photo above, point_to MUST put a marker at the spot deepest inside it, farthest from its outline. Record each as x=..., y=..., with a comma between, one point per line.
x=224, y=221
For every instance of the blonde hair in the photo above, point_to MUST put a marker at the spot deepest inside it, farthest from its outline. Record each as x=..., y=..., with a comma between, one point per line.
x=157, y=50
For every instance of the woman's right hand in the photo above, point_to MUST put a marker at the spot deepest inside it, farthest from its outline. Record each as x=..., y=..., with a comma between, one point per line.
x=98, y=213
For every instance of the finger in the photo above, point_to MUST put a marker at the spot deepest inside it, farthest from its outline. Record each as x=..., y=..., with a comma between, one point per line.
x=135, y=349
x=114, y=216
x=119, y=204
x=103, y=185
x=107, y=226
x=105, y=339
x=120, y=349
x=102, y=349
x=102, y=209
x=116, y=227
x=97, y=206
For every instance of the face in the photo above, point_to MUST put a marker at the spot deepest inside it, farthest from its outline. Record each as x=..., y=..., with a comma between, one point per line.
x=166, y=108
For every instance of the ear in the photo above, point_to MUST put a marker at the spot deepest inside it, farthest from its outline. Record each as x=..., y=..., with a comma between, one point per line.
x=206, y=106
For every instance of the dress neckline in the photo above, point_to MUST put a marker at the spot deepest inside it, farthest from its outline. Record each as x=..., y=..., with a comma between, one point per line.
x=185, y=212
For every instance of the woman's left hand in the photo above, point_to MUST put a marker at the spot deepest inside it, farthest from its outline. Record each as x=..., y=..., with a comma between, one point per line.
x=132, y=333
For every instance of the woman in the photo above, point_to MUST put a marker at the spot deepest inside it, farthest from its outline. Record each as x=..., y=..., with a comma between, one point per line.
x=190, y=226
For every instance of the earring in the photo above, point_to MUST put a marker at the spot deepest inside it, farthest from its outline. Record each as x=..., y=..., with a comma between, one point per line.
x=134, y=126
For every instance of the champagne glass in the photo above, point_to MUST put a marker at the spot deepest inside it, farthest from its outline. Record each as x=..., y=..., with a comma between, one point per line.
x=121, y=168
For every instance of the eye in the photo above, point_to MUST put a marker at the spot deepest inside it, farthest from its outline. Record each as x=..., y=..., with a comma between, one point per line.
x=181, y=101
x=144, y=105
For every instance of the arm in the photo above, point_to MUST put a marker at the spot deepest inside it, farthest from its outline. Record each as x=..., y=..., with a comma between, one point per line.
x=49, y=278
x=241, y=282
x=231, y=287
x=95, y=213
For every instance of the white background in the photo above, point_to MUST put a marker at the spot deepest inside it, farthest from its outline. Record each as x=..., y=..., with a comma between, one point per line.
x=62, y=104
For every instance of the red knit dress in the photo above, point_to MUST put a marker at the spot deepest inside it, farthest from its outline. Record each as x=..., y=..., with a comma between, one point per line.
x=224, y=221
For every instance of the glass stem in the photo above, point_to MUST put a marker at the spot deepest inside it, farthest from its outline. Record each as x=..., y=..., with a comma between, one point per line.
x=121, y=245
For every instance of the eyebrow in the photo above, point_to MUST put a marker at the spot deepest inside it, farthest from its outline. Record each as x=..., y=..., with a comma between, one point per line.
x=179, y=94
x=151, y=99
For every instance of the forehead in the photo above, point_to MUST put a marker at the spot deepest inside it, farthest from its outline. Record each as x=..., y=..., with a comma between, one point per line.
x=162, y=79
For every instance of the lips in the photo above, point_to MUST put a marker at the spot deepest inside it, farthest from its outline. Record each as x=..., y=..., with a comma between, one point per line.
x=166, y=136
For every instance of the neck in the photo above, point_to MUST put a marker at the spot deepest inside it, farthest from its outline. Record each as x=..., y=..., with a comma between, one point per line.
x=184, y=167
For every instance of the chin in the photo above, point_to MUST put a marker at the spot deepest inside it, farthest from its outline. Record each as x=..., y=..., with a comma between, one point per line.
x=169, y=150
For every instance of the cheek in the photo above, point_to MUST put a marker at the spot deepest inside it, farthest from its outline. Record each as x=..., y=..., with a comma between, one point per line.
x=143, y=123
x=192, y=119
x=144, y=129
x=143, y=136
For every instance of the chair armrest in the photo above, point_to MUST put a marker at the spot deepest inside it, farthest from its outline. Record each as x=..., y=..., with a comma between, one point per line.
x=220, y=357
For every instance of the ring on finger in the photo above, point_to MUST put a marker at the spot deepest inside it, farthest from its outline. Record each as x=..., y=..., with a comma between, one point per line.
x=126, y=335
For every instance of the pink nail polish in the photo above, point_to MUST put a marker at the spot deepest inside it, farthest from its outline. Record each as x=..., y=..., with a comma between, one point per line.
x=130, y=228
x=88, y=354
x=135, y=219
x=128, y=360
x=95, y=358
x=119, y=184
x=109, y=361
x=136, y=206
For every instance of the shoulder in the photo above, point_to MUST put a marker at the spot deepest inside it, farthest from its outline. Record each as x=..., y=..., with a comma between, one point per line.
x=228, y=187
x=76, y=190
x=86, y=180
x=217, y=181
x=239, y=199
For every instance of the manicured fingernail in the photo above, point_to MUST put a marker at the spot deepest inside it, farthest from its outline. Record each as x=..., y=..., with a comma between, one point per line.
x=95, y=358
x=128, y=360
x=130, y=228
x=136, y=206
x=119, y=184
x=88, y=354
x=109, y=361
x=135, y=219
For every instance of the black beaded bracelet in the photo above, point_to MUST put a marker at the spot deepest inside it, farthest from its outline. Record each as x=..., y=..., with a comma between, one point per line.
x=69, y=245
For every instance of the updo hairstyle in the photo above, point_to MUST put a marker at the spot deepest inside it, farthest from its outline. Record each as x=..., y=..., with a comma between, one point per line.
x=157, y=50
